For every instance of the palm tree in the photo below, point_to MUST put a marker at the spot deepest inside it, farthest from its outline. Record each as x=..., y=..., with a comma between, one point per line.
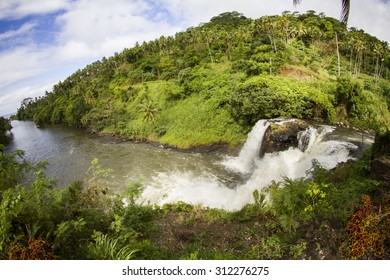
x=149, y=110
x=345, y=6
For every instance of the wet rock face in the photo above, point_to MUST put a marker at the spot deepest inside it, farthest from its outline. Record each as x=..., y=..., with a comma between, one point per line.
x=280, y=137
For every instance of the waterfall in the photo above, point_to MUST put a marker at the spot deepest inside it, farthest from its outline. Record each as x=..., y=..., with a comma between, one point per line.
x=306, y=138
x=245, y=162
x=209, y=191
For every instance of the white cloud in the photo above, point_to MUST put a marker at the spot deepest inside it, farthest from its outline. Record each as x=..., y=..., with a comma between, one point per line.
x=191, y=13
x=371, y=16
x=22, y=30
x=17, y=94
x=72, y=50
x=22, y=63
x=109, y=26
x=21, y=8
x=90, y=30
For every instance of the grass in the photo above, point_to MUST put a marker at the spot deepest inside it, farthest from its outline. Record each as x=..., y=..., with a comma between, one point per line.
x=193, y=122
x=177, y=112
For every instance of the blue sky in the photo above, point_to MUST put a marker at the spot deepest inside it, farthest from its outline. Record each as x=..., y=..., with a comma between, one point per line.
x=44, y=41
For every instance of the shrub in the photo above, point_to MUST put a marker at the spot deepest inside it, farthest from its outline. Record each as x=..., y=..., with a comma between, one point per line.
x=367, y=230
x=271, y=97
x=70, y=237
x=33, y=249
x=5, y=126
x=11, y=170
x=298, y=201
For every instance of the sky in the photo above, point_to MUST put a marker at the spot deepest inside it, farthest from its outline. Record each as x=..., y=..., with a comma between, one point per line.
x=44, y=41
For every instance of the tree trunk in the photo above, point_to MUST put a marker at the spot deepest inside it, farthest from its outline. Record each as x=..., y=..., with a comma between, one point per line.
x=338, y=55
x=208, y=47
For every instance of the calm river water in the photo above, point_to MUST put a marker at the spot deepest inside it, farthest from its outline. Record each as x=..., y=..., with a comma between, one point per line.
x=70, y=152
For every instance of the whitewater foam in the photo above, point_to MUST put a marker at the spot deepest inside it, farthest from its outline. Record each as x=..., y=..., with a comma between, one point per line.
x=207, y=190
x=245, y=162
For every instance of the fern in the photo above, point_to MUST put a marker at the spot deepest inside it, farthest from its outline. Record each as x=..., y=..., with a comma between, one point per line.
x=106, y=247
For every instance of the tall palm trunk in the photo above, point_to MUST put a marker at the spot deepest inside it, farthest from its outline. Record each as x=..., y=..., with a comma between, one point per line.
x=338, y=55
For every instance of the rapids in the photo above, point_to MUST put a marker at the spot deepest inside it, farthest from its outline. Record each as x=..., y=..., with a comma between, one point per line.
x=207, y=190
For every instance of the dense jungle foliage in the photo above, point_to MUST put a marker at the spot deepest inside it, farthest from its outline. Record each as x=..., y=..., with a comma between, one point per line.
x=210, y=84
x=5, y=127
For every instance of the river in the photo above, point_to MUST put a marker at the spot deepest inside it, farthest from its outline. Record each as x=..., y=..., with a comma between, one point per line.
x=210, y=179
x=70, y=152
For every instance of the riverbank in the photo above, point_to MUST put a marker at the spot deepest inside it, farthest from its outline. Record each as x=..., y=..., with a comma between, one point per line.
x=219, y=148
x=365, y=140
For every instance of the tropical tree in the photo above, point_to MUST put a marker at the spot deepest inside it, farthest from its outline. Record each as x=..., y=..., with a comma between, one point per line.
x=149, y=110
x=5, y=126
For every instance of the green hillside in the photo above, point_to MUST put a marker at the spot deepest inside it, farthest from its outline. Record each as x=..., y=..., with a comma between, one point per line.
x=211, y=83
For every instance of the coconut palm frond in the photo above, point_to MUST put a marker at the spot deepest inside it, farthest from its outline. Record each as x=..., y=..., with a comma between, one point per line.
x=345, y=7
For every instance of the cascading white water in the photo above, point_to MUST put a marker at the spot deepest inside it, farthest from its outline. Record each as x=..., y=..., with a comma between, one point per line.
x=305, y=138
x=207, y=190
x=245, y=161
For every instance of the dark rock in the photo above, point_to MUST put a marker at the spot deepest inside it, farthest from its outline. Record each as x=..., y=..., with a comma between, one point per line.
x=380, y=161
x=280, y=137
x=380, y=169
x=381, y=146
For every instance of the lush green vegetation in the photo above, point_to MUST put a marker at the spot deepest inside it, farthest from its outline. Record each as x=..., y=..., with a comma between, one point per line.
x=330, y=216
x=5, y=127
x=210, y=83
x=207, y=85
